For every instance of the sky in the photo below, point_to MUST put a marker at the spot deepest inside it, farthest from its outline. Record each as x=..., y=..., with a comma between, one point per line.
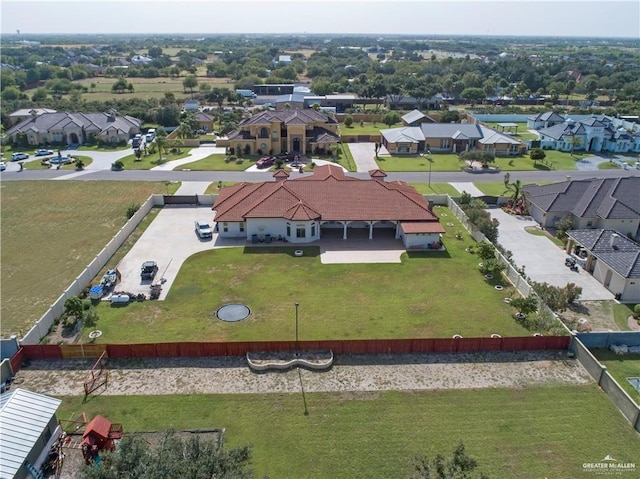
x=559, y=18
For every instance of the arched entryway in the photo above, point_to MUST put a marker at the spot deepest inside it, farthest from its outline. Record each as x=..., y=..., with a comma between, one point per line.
x=74, y=138
x=296, y=145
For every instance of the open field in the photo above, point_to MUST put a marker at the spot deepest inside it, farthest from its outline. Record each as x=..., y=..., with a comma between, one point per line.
x=621, y=367
x=145, y=88
x=366, y=128
x=50, y=231
x=531, y=432
x=366, y=300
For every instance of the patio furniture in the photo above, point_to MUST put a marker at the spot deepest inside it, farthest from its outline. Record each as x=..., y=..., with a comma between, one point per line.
x=267, y=238
x=254, y=239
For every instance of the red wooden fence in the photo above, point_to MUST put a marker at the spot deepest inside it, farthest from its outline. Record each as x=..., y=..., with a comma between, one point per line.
x=357, y=346
x=16, y=360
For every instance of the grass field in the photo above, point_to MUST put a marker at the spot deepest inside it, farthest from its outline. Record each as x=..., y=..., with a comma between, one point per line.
x=436, y=189
x=516, y=433
x=50, y=231
x=366, y=128
x=621, y=367
x=145, y=88
x=340, y=301
x=216, y=162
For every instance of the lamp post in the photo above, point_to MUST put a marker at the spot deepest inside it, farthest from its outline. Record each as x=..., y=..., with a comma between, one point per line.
x=296, y=347
x=430, y=163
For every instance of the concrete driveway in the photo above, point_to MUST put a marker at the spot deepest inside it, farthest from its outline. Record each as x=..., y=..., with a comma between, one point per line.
x=543, y=261
x=364, y=156
x=169, y=240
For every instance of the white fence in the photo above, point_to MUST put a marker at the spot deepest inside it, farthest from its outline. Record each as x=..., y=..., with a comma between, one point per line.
x=42, y=326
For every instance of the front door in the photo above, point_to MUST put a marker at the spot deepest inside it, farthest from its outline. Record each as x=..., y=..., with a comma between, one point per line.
x=296, y=145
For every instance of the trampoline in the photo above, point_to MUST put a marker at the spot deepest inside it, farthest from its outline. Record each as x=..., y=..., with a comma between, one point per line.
x=232, y=313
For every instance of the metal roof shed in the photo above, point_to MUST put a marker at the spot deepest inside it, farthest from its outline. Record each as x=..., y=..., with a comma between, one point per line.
x=28, y=428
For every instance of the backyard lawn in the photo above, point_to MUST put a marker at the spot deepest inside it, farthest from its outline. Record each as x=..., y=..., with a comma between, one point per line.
x=522, y=134
x=50, y=231
x=536, y=432
x=621, y=367
x=429, y=294
x=366, y=128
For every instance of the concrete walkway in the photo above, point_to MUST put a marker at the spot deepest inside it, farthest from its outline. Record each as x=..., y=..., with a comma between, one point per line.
x=543, y=260
x=468, y=187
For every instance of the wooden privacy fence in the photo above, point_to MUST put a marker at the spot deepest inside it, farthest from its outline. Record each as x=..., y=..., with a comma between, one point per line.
x=356, y=346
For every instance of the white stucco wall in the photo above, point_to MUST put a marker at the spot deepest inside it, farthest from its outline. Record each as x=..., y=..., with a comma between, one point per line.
x=419, y=240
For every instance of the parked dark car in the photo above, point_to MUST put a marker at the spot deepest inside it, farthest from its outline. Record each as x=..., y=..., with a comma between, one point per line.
x=265, y=162
x=286, y=157
x=148, y=270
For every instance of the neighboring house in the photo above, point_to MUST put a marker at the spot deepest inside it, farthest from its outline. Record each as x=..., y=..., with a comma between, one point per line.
x=205, y=121
x=598, y=133
x=416, y=118
x=141, y=60
x=544, y=120
x=25, y=113
x=612, y=203
x=611, y=258
x=449, y=138
x=301, y=132
x=284, y=60
x=409, y=103
x=29, y=429
x=191, y=105
x=248, y=94
x=327, y=203
x=273, y=89
x=75, y=128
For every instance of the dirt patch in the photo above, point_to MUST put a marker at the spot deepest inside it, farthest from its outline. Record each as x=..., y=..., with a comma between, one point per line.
x=597, y=314
x=354, y=373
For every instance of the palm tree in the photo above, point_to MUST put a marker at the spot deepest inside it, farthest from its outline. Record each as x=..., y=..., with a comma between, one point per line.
x=575, y=141
x=516, y=200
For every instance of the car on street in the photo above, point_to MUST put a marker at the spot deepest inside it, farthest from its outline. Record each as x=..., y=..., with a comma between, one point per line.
x=204, y=229
x=148, y=270
x=43, y=152
x=265, y=162
x=19, y=156
x=3, y=166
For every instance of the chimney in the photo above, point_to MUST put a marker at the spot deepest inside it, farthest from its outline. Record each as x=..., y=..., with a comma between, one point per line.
x=614, y=241
x=568, y=177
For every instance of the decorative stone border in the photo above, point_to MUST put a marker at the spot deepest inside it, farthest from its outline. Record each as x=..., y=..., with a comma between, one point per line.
x=261, y=362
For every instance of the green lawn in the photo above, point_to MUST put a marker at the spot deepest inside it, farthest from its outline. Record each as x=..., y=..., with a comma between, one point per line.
x=216, y=162
x=518, y=433
x=621, y=367
x=340, y=301
x=50, y=231
x=620, y=314
x=553, y=239
x=496, y=188
x=103, y=147
x=149, y=161
x=441, y=162
x=436, y=189
x=366, y=128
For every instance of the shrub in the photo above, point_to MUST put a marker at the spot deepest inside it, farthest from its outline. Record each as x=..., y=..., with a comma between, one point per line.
x=525, y=305
x=492, y=266
x=537, y=154
x=79, y=164
x=562, y=226
x=132, y=209
x=348, y=121
x=636, y=311
x=117, y=165
x=485, y=251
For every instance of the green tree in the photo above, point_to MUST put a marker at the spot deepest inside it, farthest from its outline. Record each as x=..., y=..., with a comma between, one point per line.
x=486, y=250
x=537, y=154
x=562, y=226
x=516, y=200
x=390, y=118
x=460, y=466
x=348, y=121
x=473, y=94
x=120, y=85
x=39, y=95
x=190, y=82
x=569, y=86
x=575, y=142
x=526, y=305
x=450, y=116
x=173, y=457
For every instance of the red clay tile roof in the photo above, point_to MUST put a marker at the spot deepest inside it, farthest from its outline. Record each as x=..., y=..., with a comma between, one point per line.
x=281, y=174
x=327, y=195
x=413, y=227
x=377, y=174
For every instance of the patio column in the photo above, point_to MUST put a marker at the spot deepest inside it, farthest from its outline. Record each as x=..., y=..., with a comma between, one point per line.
x=344, y=231
x=569, y=246
x=370, y=229
x=397, y=235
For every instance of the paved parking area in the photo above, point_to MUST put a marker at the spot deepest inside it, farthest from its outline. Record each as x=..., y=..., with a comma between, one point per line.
x=364, y=156
x=169, y=240
x=543, y=261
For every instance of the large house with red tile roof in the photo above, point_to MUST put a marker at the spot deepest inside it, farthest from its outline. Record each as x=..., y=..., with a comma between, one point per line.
x=329, y=203
x=301, y=132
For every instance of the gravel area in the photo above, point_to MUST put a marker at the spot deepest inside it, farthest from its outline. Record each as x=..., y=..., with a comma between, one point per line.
x=220, y=375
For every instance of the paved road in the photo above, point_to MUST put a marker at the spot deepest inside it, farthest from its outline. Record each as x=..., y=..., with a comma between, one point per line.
x=411, y=177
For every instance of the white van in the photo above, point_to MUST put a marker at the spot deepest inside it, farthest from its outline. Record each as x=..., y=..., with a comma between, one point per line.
x=151, y=133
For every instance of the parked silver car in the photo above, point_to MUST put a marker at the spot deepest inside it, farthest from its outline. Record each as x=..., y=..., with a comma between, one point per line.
x=204, y=229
